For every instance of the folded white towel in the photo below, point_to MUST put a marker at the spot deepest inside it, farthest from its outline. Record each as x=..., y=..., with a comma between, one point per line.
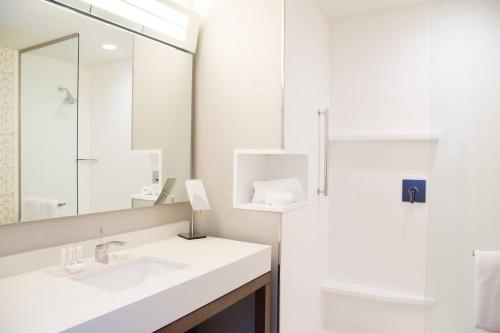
x=39, y=209
x=290, y=185
x=487, y=291
x=279, y=198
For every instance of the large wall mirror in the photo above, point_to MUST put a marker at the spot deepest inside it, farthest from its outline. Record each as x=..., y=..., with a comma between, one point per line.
x=93, y=118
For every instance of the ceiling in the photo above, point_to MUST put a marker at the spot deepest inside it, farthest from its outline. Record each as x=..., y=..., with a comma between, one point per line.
x=341, y=8
x=24, y=23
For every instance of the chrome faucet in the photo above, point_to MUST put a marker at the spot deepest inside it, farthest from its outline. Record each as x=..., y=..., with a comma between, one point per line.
x=101, y=250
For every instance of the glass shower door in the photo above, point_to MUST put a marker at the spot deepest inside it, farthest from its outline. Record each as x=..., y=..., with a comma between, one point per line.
x=49, y=129
x=464, y=182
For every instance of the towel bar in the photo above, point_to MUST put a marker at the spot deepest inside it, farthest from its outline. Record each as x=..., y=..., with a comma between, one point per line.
x=326, y=129
x=474, y=252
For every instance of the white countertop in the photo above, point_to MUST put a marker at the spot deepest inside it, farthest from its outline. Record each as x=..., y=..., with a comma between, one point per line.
x=41, y=302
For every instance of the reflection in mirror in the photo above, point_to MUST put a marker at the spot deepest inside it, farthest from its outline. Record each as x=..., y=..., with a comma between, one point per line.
x=154, y=108
x=93, y=118
x=48, y=122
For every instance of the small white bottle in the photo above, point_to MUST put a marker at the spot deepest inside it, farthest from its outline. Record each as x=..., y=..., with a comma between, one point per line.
x=64, y=258
x=71, y=255
x=78, y=254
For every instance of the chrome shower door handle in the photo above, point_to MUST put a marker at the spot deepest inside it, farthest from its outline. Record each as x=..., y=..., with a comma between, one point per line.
x=326, y=143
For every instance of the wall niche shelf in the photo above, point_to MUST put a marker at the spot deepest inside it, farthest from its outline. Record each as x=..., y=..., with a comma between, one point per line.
x=267, y=208
x=375, y=294
x=251, y=165
x=415, y=137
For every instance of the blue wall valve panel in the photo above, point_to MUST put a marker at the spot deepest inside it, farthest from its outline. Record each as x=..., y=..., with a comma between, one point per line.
x=414, y=189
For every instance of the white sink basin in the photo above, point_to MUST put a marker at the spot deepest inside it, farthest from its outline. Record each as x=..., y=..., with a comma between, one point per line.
x=130, y=274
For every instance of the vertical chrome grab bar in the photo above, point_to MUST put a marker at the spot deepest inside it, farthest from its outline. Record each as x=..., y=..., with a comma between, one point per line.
x=327, y=151
x=326, y=143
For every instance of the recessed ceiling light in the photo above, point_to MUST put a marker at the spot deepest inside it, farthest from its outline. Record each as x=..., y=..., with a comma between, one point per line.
x=109, y=46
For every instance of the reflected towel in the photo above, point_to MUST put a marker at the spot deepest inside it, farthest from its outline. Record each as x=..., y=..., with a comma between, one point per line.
x=39, y=209
x=487, y=291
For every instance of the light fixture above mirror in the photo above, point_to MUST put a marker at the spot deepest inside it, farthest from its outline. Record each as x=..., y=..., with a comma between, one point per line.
x=161, y=20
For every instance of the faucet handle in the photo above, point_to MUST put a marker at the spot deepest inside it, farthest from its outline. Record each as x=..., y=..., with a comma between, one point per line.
x=412, y=191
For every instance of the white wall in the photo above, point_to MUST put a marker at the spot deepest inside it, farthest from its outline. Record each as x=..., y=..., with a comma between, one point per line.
x=304, y=235
x=237, y=104
x=380, y=85
x=381, y=73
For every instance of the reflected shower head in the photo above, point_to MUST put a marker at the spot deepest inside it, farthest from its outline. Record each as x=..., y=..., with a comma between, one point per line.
x=69, y=99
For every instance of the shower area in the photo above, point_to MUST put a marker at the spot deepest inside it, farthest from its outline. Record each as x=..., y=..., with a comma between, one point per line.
x=464, y=164
x=415, y=94
x=48, y=125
